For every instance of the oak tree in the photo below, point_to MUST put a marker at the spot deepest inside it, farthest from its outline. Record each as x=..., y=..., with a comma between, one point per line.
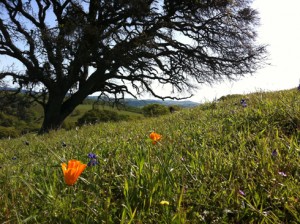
x=70, y=49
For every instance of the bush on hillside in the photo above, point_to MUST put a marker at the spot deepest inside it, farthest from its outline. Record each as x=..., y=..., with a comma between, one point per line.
x=96, y=116
x=29, y=128
x=7, y=120
x=27, y=114
x=68, y=125
x=154, y=110
x=8, y=132
x=15, y=104
x=174, y=108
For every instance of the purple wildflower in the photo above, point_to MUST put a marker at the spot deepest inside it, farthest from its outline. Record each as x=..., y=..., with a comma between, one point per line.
x=92, y=162
x=274, y=153
x=92, y=156
x=282, y=174
x=298, y=87
x=242, y=193
x=93, y=159
x=243, y=103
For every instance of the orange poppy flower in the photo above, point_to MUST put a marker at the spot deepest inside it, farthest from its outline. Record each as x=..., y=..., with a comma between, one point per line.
x=155, y=137
x=73, y=171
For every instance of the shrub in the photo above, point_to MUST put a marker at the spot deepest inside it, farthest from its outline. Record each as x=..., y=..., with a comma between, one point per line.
x=67, y=125
x=154, y=110
x=29, y=127
x=6, y=132
x=7, y=120
x=174, y=108
x=96, y=116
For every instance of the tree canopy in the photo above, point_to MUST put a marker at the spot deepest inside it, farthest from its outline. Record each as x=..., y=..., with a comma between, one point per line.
x=73, y=48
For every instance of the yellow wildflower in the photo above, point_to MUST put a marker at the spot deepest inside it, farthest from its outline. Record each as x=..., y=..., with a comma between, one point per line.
x=164, y=203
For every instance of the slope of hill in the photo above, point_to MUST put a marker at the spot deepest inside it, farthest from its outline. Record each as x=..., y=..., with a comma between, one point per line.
x=231, y=161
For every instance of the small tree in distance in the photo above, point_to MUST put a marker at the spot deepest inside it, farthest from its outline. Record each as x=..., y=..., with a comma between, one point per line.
x=155, y=109
x=73, y=48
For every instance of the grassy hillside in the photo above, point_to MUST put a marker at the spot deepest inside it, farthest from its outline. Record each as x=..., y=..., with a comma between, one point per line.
x=221, y=162
x=81, y=109
x=14, y=123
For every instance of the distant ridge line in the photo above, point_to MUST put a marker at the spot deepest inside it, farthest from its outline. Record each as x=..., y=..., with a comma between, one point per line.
x=133, y=102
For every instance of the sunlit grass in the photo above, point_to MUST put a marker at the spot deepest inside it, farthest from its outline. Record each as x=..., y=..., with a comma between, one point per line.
x=217, y=163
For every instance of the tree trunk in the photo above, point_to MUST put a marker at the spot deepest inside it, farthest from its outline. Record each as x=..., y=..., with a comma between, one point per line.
x=51, y=122
x=58, y=108
x=52, y=115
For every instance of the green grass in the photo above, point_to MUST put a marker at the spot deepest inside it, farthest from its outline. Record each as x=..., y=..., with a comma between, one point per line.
x=215, y=164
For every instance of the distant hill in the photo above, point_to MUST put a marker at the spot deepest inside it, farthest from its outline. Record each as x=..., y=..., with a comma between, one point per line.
x=134, y=102
x=141, y=103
